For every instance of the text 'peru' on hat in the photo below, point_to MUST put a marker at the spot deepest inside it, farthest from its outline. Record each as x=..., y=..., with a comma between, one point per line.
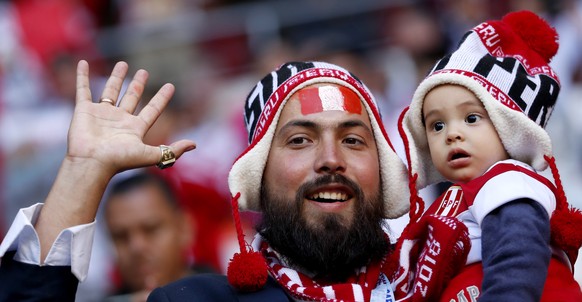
x=262, y=110
x=505, y=63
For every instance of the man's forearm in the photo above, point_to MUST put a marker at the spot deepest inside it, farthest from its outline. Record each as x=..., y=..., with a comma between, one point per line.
x=73, y=200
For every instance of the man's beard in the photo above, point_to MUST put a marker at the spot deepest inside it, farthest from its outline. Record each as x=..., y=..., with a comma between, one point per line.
x=332, y=250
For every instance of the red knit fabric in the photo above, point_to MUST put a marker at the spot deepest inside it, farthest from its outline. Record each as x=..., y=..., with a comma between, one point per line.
x=560, y=285
x=431, y=252
x=534, y=32
x=357, y=288
x=416, y=202
x=247, y=270
x=566, y=221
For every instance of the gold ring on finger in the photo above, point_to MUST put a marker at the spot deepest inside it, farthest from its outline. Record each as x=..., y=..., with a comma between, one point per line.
x=106, y=100
x=168, y=157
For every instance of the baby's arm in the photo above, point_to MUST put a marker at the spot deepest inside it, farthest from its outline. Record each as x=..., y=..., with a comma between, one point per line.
x=515, y=251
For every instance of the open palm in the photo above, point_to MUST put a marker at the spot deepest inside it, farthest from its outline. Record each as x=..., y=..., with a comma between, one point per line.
x=111, y=135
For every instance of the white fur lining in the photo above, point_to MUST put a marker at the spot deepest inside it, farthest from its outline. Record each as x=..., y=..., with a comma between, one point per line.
x=247, y=172
x=522, y=138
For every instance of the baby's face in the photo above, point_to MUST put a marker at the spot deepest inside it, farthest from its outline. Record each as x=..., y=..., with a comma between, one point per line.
x=462, y=140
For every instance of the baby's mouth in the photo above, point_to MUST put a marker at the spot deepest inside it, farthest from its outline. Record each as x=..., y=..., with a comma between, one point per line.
x=457, y=154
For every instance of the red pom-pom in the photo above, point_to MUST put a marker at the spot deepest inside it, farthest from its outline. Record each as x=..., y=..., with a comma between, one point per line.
x=535, y=32
x=247, y=271
x=566, y=228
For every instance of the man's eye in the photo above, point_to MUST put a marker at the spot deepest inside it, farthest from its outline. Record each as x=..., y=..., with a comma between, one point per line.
x=472, y=118
x=438, y=126
x=298, y=141
x=352, y=141
x=119, y=237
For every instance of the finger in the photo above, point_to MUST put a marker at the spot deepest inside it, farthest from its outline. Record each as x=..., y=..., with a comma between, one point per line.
x=178, y=148
x=134, y=91
x=83, y=89
x=115, y=81
x=156, y=105
x=182, y=146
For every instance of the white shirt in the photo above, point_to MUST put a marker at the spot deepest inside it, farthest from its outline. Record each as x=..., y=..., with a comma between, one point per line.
x=71, y=248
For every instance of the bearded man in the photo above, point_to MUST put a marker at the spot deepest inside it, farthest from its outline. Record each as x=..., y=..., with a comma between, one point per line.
x=321, y=170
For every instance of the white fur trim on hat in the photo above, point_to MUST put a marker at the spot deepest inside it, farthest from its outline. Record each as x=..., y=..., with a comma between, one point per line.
x=523, y=139
x=505, y=63
x=247, y=171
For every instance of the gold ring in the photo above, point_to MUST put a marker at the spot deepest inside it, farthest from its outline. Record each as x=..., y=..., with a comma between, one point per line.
x=168, y=157
x=106, y=100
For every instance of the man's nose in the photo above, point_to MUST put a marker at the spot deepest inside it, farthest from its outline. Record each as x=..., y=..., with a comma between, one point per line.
x=138, y=242
x=330, y=158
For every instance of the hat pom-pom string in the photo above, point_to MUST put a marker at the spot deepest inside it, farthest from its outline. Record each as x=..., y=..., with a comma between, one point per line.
x=247, y=270
x=566, y=221
x=416, y=202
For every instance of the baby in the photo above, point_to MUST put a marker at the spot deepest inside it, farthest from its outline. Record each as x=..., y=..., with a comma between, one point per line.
x=477, y=120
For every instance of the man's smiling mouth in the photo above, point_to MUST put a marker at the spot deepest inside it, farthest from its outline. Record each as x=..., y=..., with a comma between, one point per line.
x=328, y=196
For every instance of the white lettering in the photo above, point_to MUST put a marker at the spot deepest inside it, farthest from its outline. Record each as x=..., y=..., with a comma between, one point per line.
x=423, y=289
x=473, y=292
x=425, y=273
x=487, y=30
x=461, y=296
x=310, y=73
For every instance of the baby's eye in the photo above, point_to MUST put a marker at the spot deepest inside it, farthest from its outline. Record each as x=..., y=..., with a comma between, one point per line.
x=438, y=126
x=472, y=118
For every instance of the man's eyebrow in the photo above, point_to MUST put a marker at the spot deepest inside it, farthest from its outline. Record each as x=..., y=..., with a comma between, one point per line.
x=315, y=126
x=299, y=123
x=354, y=124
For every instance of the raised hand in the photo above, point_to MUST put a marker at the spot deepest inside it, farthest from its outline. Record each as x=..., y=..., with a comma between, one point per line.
x=104, y=139
x=110, y=135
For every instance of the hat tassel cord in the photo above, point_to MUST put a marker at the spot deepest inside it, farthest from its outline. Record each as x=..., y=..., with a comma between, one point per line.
x=247, y=270
x=566, y=221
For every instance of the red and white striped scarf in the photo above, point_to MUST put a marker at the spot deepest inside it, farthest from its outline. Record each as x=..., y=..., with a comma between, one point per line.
x=358, y=287
x=429, y=253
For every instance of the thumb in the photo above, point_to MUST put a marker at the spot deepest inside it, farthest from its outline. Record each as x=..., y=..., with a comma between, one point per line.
x=165, y=156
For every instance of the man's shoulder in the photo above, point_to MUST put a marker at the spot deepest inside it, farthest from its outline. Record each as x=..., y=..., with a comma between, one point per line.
x=214, y=287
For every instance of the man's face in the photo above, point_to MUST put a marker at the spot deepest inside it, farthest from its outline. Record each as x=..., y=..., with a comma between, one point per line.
x=322, y=182
x=150, y=237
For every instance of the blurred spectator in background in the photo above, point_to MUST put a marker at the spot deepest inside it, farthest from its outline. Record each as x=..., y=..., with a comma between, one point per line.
x=152, y=235
x=414, y=40
x=566, y=129
x=42, y=41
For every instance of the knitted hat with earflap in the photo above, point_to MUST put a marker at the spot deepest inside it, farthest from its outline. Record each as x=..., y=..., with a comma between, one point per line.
x=262, y=110
x=505, y=63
